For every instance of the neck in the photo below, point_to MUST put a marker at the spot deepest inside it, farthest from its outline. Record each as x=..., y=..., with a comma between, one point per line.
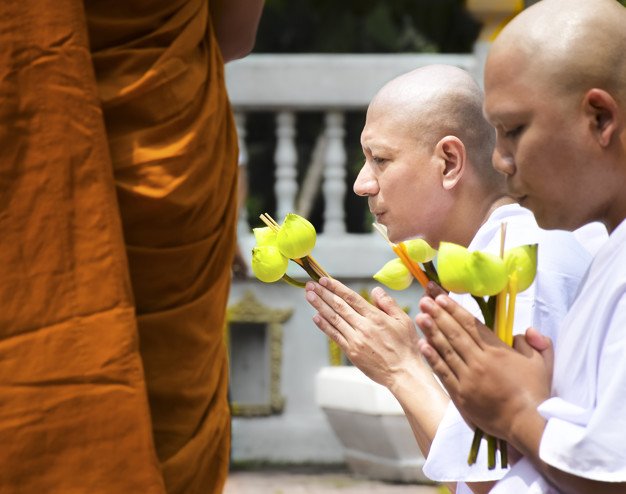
x=470, y=218
x=503, y=200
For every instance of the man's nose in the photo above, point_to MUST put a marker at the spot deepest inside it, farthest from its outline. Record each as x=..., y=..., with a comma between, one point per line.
x=365, y=183
x=503, y=162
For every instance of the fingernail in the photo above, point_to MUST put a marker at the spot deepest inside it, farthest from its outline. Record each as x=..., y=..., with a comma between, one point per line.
x=443, y=301
x=427, y=303
x=323, y=281
x=426, y=323
x=310, y=296
x=310, y=285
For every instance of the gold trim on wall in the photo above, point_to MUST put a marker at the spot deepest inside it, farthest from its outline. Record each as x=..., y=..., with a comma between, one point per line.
x=250, y=310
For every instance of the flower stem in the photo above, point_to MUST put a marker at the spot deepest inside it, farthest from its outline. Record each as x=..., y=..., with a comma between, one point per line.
x=306, y=265
x=473, y=454
x=431, y=272
x=492, y=446
x=504, y=453
x=508, y=333
x=289, y=280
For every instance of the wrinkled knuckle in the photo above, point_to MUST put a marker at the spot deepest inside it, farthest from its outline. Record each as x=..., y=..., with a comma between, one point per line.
x=448, y=353
x=351, y=299
x=334, y=319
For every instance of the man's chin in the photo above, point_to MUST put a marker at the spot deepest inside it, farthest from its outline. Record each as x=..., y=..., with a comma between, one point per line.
x=556, y=222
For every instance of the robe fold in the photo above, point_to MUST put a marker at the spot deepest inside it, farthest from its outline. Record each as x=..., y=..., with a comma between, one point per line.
x=115, y=129
x=174, y=150
x=74, y=415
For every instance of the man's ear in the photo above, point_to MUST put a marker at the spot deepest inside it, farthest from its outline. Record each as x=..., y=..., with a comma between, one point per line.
x=452, y=158
x=603, y=113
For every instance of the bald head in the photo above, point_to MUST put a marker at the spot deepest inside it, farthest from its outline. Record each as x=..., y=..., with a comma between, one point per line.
x=567, y=45
x=442, y=100
x=555, y=89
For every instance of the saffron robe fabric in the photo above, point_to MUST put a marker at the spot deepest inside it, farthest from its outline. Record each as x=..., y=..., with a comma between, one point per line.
x=152, y=124
x=174, y=151
x=562, y=263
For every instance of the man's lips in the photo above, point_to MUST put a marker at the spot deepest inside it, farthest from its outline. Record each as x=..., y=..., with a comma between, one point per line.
x=378, y=215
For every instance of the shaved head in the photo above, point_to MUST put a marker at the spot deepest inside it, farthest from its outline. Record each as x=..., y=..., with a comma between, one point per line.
x=438, y=101
x=555, y=90
x=568, y=45
x=428, y=149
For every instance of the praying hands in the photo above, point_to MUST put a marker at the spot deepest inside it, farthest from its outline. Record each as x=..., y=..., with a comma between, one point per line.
x=494, y=387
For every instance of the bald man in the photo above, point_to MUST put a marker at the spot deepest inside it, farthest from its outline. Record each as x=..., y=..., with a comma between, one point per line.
x=428, y=172
x=555, y=84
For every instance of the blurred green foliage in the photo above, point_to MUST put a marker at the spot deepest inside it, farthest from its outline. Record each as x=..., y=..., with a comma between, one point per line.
x=366, y=26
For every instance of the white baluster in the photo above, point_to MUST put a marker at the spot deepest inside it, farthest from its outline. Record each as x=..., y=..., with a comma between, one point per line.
x=240, y=122
x=285, y=158
x=334, y=187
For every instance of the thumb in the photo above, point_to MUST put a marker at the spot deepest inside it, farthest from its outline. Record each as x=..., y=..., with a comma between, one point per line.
x=543, y=345
x=533, y=340
x=385, y=303
x=536, y=340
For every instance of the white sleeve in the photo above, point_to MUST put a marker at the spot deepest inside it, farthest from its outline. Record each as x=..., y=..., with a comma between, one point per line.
x=590, y=442
x=447, y=459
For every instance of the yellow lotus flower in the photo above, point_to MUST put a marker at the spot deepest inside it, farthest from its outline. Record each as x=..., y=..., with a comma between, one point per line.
x=296, y=237
x=268, y=263
x=264, y=236
x=394, y=275
x=419, y=250
x=522, y=260
x=478, y=273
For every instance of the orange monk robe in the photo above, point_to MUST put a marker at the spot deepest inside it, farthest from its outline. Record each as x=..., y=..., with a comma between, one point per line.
x=73, y=408
x=174, y=150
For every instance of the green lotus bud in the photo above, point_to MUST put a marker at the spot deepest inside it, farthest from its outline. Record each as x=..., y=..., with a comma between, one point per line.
x=268, y=264
x=296, y=237
x=419, y=250
x=394, y=275
x=489, y=274
x=523, y=261
x=264, y=236
x=462, y=271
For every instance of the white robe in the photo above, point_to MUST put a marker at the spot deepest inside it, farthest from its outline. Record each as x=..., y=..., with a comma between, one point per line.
x=562, y=263
x=586, y=430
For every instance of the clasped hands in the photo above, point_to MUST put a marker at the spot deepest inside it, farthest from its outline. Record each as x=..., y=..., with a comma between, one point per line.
x=494, y=387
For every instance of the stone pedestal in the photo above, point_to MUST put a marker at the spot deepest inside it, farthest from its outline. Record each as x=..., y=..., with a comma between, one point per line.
x=376, y=437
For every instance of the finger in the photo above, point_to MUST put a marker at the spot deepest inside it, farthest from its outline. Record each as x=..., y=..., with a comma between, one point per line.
x=331, y=332
x=433, y=289
x=438, y=340
x=387, y=304
x=329, y=312
x=439, y=366
x=448, y=336
x=480, y=333
x=346, y=296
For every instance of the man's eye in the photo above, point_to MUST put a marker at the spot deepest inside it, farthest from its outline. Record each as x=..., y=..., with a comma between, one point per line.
x=378, y=160
x=513, y=133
